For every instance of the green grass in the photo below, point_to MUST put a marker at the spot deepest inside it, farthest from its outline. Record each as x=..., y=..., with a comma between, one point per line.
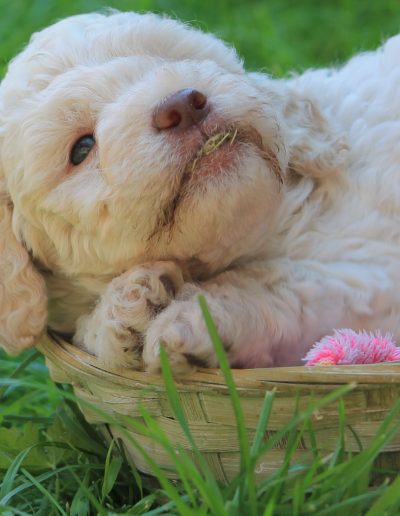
x=276, y=35
x=51, y=461
x=54, y=463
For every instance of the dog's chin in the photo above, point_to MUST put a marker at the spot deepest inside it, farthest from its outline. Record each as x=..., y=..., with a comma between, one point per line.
x=228, y=161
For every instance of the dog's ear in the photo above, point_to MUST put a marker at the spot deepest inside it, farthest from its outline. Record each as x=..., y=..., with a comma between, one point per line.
x=23, y=303
x=316, y=147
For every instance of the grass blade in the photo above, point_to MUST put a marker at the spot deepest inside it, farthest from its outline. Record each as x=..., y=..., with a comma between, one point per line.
x=9, y=477
x=44, y=491
x=32, y=356
x=246, y=462
x=112, y=468
x=306, y=415
x=216, y=500
x=388, y=501
x=262, y=424
x=45, y=476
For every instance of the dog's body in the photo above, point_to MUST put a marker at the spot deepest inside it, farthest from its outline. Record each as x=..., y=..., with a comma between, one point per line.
x=279, y=200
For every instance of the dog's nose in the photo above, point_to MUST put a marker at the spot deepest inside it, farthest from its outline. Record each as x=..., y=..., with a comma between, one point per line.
x=182, y=110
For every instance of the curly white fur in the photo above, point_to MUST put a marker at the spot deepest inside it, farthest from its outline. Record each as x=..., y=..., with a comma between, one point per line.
x=127, y=240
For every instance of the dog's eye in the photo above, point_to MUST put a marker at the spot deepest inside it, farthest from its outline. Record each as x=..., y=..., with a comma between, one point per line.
x=81, y=149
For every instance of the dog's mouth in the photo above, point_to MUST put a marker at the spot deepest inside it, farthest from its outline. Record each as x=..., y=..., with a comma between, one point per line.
x=220, y=149
x=212, y=144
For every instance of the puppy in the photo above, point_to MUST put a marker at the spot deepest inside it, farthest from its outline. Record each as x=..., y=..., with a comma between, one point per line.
x=141, y=165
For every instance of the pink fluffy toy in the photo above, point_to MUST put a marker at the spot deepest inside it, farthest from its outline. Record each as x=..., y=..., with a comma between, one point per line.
x=349, y=347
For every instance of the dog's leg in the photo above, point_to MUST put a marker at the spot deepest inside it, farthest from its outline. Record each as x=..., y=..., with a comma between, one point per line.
x=267, y=316
x=114, y=330
x=237, y=311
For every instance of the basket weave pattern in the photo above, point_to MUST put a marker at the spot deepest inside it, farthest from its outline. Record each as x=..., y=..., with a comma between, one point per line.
x=205, y=400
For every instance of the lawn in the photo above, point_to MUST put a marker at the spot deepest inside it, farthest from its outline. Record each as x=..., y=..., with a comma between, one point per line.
x=275, y=35
x=51, y=461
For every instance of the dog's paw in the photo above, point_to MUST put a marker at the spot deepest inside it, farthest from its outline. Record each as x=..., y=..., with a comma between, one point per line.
x=182, y=331
x=114, y=331
x=138, y=295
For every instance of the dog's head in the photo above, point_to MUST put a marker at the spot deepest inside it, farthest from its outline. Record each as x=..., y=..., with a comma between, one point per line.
x=126, y=138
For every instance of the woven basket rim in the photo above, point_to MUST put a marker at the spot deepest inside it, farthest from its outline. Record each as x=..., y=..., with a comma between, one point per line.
x=70, y=357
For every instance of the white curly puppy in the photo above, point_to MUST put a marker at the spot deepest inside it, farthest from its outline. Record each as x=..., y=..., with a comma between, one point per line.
x=140, y=166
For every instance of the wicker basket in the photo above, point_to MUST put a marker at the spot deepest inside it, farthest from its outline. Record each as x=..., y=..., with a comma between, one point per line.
x=205, y=401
